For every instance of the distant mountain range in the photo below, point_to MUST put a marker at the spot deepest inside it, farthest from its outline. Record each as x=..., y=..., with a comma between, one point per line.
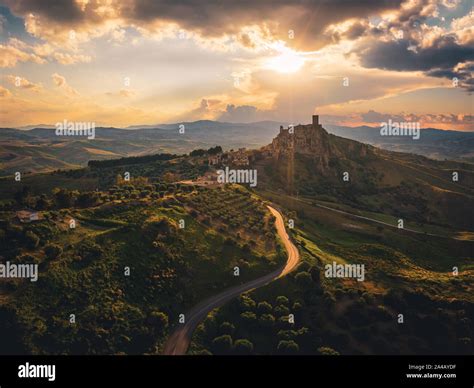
x=433, y=143
x=38, y=149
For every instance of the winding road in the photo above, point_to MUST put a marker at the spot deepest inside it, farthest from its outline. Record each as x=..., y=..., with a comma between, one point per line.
x=178, y=342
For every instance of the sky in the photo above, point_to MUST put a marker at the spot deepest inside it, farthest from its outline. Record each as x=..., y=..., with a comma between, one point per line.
x=132, y=62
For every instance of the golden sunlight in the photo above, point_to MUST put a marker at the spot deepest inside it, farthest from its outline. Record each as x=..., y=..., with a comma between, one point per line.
x=288, y=61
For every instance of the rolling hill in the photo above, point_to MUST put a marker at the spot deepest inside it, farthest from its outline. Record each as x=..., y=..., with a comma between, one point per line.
x=37, y=149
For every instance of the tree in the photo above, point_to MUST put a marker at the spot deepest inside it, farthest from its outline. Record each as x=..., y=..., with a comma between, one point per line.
x=87, y=199
x=247, y=303
x=281, y=310
x=89, y=251
x=43, y=203
x=303, y=279
x=297, y=306
x=198, y=152
x=327, y=351
x=52, y=251
x=283, y=300
x=64, y=198
x=159, y=320
x=169, y=177
x=288, y=347
x=243, y=346
x=214, y=150
x=248, y=317
x=264, y=308
x=222, y=344
x=267, y=320
x=227, y=328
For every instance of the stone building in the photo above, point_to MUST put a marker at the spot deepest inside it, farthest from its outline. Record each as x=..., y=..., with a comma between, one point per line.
x=310, y=140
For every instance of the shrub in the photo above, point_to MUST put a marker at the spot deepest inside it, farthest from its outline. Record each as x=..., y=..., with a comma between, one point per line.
x=303, y=279
x=243, y=346
x=327, y=351
x=159, y=320
x=264, y=308
x=52, y=251
x=267, y=320
x=248, y=316
x=222, y=344
x=282, y=300
x=288, y=347
x=227, y=328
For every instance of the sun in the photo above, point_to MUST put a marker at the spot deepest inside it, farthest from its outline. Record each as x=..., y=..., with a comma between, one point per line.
x=287, y=62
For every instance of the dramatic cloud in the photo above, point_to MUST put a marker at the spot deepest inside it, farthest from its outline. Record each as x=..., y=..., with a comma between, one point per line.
x=239, y=61
x=306, y=19
x=425, y=120
x=376, y=117
x=241, y=114
x=406, y=42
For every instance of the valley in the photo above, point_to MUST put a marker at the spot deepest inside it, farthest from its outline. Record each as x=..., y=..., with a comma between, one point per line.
x=151, y=254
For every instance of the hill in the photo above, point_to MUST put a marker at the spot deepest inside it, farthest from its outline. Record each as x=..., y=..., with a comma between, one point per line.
x=317, y=165
x=433, y=143
x=136, y=224
x=38, y=149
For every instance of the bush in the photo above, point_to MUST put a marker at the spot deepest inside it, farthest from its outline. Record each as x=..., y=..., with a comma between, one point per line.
x=52, y=251
x=281, y=310
x=327, y=351
x=222, y=344
x=283, y=300
x=243, y=346
x=159, y=320
x=267, y=320
x=303, y=279
x=247, y=303
x=288, y=347
x=248, y=316
x=264, y=308
x=227, y=328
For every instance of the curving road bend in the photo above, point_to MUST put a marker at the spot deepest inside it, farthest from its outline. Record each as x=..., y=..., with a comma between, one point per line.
x=178, y=342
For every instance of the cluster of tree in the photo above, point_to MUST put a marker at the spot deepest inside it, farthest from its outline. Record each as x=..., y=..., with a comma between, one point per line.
x=362, y=324
x=234, y=208
x=211, y=151
x=61, y=198
x=130, y=160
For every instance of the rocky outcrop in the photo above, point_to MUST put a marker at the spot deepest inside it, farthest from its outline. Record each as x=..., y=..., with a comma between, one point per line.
x=310, y=140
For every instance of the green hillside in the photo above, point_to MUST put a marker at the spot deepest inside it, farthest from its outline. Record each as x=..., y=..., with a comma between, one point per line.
x=180, y=244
